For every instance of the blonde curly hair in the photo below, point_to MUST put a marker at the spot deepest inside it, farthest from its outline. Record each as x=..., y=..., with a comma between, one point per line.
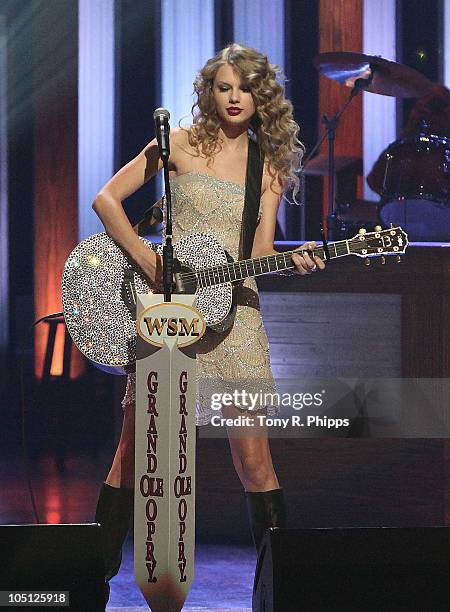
x=272, y=124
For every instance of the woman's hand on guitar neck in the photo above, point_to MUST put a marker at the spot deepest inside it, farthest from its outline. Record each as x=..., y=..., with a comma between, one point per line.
x=305, y=261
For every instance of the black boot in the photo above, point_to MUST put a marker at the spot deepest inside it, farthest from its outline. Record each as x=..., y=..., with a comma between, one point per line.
x=114, y=512
x=265, y=509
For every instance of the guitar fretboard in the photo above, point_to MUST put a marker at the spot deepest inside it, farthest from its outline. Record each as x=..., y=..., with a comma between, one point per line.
x=267, y=264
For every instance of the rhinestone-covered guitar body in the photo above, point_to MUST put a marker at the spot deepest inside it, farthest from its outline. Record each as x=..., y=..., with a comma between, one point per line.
x=99, y=288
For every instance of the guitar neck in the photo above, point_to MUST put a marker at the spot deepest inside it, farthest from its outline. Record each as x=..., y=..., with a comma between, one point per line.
x=267, y=264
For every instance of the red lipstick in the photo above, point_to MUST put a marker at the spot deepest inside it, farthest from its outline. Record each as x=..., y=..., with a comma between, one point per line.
x=234, y=110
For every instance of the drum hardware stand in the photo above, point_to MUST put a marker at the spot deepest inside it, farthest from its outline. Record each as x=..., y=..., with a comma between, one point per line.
x=325, y=244
x=331, y=124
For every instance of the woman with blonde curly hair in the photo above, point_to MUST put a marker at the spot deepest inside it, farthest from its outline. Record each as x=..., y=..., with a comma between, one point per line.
x=239, y=102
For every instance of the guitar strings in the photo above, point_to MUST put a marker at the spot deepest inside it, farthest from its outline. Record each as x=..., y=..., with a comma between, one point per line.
x=358, y=247
x=221, y=268
x=211, y=276
x=229, y=267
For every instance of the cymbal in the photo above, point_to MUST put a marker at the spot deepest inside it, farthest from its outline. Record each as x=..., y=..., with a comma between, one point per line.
x=388, y=78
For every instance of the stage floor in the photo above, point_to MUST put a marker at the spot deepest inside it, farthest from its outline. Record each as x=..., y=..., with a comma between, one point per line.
x=224, y=572
x=188, y=608
x=224, y=581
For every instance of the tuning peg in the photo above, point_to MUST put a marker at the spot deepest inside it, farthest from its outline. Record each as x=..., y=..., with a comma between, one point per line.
x=383, y=260
x=399, y=258
x=361, y=231
x=367, y=261
x=391, y=225
x=378, y=228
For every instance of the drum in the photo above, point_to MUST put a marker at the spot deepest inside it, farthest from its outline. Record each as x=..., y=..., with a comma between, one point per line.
x=416, y=187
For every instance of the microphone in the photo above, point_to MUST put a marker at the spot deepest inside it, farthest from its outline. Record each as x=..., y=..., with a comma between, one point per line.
x=162, y=128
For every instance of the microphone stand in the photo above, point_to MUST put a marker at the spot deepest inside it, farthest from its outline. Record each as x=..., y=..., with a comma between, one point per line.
x=161, y=117
x=167, y=255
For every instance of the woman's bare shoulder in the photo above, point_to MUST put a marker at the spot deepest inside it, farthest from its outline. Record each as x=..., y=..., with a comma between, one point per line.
x=181, y=150
x=180, y=136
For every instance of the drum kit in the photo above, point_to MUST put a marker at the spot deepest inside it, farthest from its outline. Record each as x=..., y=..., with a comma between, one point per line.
x=415, y=191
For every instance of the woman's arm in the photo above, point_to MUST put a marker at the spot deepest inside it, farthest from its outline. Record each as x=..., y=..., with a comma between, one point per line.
x=271, y=193
x=108, y=206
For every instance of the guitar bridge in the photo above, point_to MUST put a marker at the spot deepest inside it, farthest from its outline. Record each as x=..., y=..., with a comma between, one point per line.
x=179, y=283
x=128, y=290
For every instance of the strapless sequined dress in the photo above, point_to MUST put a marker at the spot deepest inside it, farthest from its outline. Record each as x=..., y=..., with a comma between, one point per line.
x=237, y=359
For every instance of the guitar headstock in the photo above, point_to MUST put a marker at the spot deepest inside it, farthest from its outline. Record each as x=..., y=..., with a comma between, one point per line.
x=391, y=241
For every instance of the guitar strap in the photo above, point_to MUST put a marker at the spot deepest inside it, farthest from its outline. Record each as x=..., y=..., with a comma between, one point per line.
x=255, y=164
